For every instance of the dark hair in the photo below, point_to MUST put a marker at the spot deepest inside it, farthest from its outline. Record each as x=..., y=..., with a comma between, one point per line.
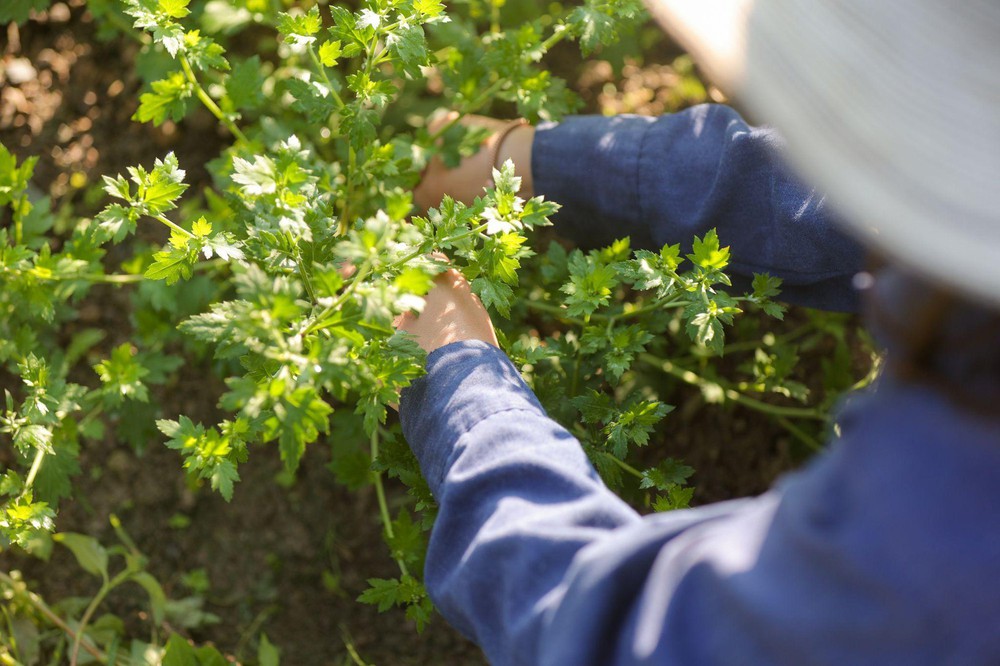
x=961, y=361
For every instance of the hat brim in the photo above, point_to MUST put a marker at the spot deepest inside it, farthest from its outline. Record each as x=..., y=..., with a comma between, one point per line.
x=889, y=108
x=712, y=31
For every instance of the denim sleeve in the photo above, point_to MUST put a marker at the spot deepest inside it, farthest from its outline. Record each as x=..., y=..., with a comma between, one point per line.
x=850, y=561
x=667, y=179
x=531, y=555
x=517, y=498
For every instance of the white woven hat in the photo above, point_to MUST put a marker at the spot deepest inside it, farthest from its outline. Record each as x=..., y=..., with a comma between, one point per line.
x=890, y=106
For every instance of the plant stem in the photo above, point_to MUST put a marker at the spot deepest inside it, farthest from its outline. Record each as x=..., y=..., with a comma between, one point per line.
x=799, y=434
x=351, y=650
x=209, y=102
x=345, y=219
x=174, y=226
x=362, y=273
x=92, y=608
x=624, y=465
x=383, y=506
x=658, y=304
x=18, y=222
x=366, y=269
x=36, y=465
x=495, y=16
x=694, y=379
x=558, y=311
x=123, y=536
x=560, y=32
x=96, y=278
x=121, y=278
x=304, y=276
x=39, y=604
x=326, y=78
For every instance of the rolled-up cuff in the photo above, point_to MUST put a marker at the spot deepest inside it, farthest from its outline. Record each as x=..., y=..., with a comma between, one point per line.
x=589, y=165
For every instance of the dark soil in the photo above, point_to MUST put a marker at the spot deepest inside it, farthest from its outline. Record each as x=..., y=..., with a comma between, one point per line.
x=288, y=561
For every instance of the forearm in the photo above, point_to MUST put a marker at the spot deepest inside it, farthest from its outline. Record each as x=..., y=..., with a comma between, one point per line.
x=518, y=498
x=668, y=179
x=531, y=556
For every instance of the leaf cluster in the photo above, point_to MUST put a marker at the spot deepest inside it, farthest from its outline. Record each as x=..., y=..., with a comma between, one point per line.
x=282, y=276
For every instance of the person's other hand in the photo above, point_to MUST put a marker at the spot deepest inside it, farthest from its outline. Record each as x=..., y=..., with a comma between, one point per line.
x=452, y=313
x=466, y=181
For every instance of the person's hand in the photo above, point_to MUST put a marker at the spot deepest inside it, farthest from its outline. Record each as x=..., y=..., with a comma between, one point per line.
x=466, y=181
x=452, y=313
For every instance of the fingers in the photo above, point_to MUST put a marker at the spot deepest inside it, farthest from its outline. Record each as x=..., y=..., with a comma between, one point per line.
x=465, y=182
x=451, y=313
x=439, y=119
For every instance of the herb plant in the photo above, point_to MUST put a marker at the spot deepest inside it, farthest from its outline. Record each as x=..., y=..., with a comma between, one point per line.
x=285, y=272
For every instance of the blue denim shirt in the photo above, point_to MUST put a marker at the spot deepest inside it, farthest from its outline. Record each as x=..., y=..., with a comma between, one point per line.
x=884, y=550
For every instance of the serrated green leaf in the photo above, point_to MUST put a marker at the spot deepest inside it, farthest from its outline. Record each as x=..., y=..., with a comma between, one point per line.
x=594, y=407
x=168, y=99
x=596, y=22
x=245, y=84
x=160, y=189
x=707, y=253
x=677, y=497
x=428, y=8
x=667, y=474
x=346, y=31
x=11, y=483
x=775, y=310
x=634, y=425
x=122, y=376
x=170, y=266
x=223, y=477
x=257, y=178
x=299, y=29
x=299, y=417
x=311, y=98
x=53, y=481
x=116, y=222
x=409, y=45
x=407, y=542
x=705, y=329
x=174, y=8
x=494, y=294
x=765, y=286
x=33, y=436
x=201, y=227
x=594, y=27
x=204, y=53
x=382, y=593
x=590, y=284
x=329, y=52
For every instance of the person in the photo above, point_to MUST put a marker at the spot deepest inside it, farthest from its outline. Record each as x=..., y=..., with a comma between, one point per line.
x=883, y=550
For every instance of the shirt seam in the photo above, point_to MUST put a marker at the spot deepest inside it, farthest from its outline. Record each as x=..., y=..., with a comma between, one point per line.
x=638, y=174
x=778, y=270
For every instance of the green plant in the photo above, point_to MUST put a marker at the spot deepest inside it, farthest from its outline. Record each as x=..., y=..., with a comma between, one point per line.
x=92, y=637
x=285, y=272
